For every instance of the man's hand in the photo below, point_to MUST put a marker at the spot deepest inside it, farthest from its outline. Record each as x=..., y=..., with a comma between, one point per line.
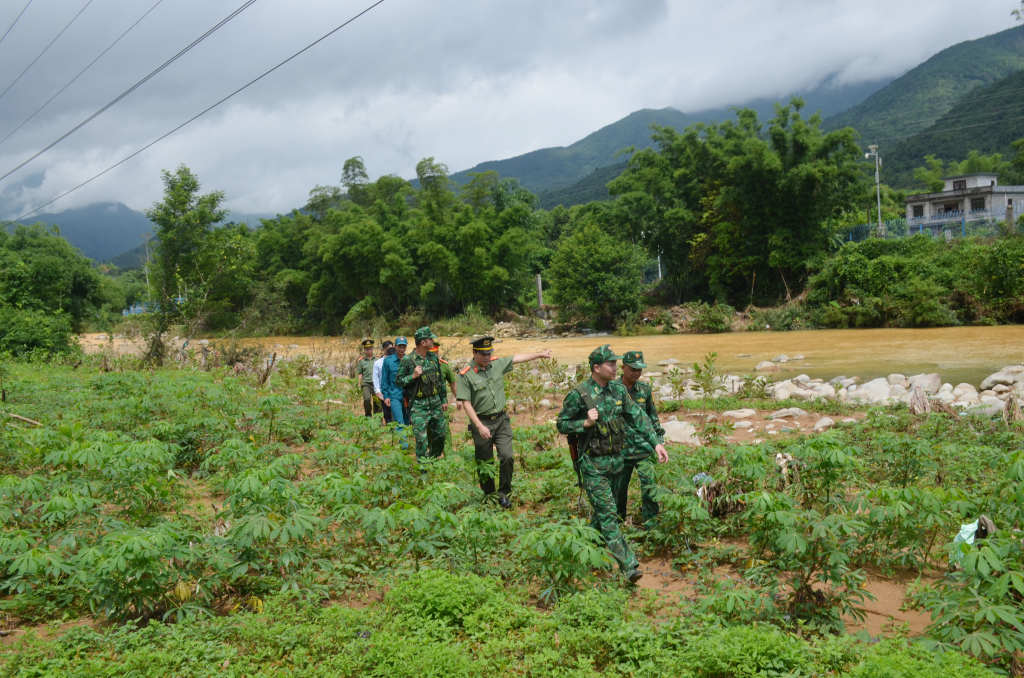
x=591, y=417
x=417, y=372
x=545, y=354
x=387, y=402
x=458, y=405
x=484, y=432
x=444, y=407
x=662, y=454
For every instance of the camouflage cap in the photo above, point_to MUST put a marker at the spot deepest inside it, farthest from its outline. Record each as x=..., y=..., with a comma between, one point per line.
x=634, y=359
x=603, y=354
x=424, y=333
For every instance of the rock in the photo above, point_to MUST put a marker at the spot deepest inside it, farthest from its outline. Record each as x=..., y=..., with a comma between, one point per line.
x=847, y=383
x=986, y=410
x=1019, y=379
x=798, y=357
x=825, y=391
x=897, y=390
x=849, y=420
x=739, y=414
x=665, y=391
x=989, y=392
x=804, y=394
x=963, y=388
x=788, y=412
x=1001, y=388
x=823, y=424
x=843, y=395
x=670, y=361
x=673, y=418
x=895, y=379
x=681, y=432
x=766, y=366
x=781, y=359
x=837, y=380
x=970, y=398
x=1003, y=376
x=929, y=383
x=545, y=403
x=992, y=400
x=946, y=388
x=944, y=396
x=743, y=355
x=742, y=424
x=802, y=379
x=876, y=391
x=781, y=394
x=204, y=342
x=103, y=337
x=293, y=347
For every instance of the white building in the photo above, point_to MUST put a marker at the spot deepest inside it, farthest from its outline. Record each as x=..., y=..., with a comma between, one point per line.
x=968, y=197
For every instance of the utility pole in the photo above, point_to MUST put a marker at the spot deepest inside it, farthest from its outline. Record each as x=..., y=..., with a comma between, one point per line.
x=540, y=293
x=873, y=151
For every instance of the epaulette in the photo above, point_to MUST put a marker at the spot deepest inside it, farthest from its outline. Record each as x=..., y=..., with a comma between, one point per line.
x=443, y=360
x=464, y=370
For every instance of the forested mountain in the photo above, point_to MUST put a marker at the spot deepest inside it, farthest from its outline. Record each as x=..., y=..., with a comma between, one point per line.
x=100, y=230
x=922, y=95
x=554, y=168
x=986, y=120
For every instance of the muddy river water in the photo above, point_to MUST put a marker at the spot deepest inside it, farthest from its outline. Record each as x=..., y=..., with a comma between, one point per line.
x=957, y=353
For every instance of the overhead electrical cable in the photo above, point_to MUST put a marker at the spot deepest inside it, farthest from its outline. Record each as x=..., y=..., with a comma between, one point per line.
x=15, y=20
x=201, y=113
x=947, y=129
x=134, y=87
x=80, y=73
x=45, y=48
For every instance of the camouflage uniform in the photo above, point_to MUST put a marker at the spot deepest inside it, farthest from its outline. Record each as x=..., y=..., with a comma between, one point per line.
x=601, y=463
x=426, y=395
x=638, y=454
x=448, y=374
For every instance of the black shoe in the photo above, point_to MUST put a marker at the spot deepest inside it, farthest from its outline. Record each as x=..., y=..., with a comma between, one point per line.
x=634, y=576
x=503, y=502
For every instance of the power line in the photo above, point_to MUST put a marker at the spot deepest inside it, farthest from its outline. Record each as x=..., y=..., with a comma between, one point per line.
x=202, y=113
x=131, y=89
x=44, y=49
x=80, y=73
x=948, y=129
x=15, y=20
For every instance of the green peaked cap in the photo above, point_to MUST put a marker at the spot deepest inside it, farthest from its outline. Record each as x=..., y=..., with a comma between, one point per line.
x=634, y=359
x=424, y=333
x=603, y=355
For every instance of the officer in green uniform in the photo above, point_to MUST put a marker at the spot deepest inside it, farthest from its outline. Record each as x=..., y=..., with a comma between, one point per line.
x=364, y=370
x=481, y=390
x=448, y=374
x=638, y=454
x=419, y=376
x=595, y=415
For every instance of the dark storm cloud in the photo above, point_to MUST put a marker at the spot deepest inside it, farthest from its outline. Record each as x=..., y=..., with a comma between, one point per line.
x=463, y=81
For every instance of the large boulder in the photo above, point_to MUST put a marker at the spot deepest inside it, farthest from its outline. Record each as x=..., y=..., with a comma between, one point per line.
x=681, y=432
x=895, y=379
x=823, y=424
x=825, y=391
x=875, y=391
x=742, y=425
x=929, y=383
x=781, y=358
x=801, y=379
x=766, y=366
x=788, y=412
x=1004, y=377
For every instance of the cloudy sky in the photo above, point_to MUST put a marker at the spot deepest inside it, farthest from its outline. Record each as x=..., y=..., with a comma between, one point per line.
x=461, y=80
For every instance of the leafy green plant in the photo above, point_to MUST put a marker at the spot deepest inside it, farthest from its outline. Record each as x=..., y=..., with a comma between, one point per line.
x=561, y=557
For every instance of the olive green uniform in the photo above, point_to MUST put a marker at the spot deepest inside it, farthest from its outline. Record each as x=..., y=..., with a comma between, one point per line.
x=426, y=394
x=600, y=452
x=639, y=455
x=485, y=391
x=364, y=372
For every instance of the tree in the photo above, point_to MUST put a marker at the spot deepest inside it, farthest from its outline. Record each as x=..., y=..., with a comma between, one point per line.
x=355, y=178
x=596, y=276
x=737, y=212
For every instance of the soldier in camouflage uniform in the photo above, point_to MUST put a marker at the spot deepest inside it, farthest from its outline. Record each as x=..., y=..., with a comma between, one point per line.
x=420, y=377
x=597, y=412
x=638, y=454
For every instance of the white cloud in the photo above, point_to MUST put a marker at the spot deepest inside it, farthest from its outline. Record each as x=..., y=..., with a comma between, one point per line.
x=463, y=81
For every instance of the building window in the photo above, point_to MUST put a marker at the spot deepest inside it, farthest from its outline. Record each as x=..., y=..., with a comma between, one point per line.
x=951, y=207
x=918, y=211
x=977, y=204
x=960, y=185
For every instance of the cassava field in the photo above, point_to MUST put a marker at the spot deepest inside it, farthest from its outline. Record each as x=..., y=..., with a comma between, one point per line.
x=183, y=522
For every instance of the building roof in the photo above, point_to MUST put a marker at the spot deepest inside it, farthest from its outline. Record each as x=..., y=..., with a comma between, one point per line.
x=972, y=174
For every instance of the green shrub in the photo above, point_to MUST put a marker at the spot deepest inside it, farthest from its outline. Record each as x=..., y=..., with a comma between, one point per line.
x=445, y=597
x=899, y=659
x=781, y=319
x=23, y=332
x=712, y=318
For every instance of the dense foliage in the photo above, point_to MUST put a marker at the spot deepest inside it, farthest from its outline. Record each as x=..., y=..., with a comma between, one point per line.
x=175, y=494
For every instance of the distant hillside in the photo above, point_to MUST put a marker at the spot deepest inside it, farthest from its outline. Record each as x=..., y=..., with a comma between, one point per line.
x=553, y=168
x=592, y=187
x=925, y=93
x=987, y=120
x=101, y=230
x=133, y=258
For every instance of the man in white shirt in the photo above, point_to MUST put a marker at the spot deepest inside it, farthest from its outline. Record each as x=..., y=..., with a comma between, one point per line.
x=387, y=348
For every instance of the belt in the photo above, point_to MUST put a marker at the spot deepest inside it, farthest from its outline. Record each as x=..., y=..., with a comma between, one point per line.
x=491, y=417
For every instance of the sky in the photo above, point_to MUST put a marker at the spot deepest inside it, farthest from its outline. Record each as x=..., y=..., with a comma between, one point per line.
x=462, y=81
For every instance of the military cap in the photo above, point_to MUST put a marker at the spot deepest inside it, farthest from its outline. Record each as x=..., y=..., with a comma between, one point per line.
x=483, y=344
x=603, y=354
x=367, y=342
x=424, y=333
x=634, y=359
x=401, y=341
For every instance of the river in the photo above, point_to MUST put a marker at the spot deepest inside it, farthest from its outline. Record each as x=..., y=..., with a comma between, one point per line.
x=958, y=354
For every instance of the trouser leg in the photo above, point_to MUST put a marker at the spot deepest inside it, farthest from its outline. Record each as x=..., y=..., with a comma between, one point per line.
x=600, y=475
x=437, y=429
x=646, y=471
x=388, y=416
x=501, y=439
x=367, y=400
x=396, y=413
x=622, y=491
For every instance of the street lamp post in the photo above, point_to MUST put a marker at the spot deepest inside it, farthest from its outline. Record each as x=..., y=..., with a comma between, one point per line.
x=878, y=186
